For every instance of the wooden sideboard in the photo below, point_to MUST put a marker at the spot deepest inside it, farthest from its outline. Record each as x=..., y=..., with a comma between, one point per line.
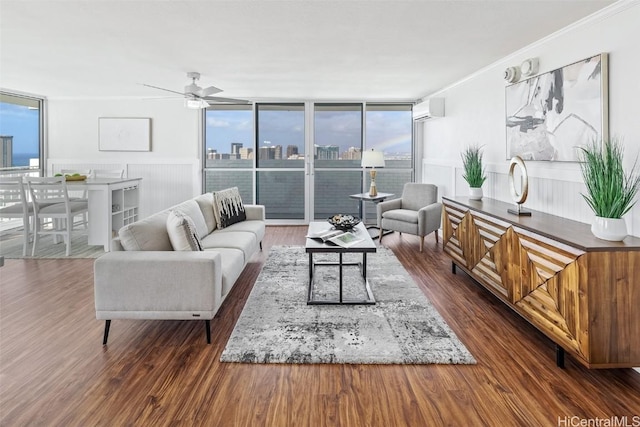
x=581, y=292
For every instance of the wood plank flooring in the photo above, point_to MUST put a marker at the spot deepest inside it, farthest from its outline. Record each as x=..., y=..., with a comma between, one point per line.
x=55, y=372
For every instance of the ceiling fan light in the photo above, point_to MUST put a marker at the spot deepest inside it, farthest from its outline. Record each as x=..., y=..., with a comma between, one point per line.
x=195, y=104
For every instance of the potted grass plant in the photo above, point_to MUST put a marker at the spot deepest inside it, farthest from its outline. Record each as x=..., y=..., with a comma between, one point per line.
x=473, y=171
x=610, y=191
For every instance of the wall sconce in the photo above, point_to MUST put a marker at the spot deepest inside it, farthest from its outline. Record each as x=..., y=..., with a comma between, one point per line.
x=529, y=67
x=512, y=74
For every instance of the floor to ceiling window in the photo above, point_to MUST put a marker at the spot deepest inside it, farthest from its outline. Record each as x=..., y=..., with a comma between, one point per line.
x=389, y=128
x=280, y=163
x=229, y=153
x=21, y=141
x=20, y=132
x=302, y=160
x=337, y=137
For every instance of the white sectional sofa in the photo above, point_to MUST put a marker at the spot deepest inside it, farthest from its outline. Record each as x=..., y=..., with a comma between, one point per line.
x=145, y=278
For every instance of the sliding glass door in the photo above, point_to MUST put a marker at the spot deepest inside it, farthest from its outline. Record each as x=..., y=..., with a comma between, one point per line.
x=280, y=160
x=337, y=149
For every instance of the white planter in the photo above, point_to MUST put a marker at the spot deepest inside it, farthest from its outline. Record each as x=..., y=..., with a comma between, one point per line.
x=612, y=229
x=475, y=193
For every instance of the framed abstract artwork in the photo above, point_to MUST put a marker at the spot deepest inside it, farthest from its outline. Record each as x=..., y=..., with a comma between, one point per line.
x=548, y=116
x=124, y=134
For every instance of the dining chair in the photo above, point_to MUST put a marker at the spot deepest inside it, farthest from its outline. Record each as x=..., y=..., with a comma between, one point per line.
x=79, y=195
x=14, y=204
x=108, y=173
x=50, y=200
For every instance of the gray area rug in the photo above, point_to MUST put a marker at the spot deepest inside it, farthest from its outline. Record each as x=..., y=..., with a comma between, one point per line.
x=277, y=326
x=11, y=247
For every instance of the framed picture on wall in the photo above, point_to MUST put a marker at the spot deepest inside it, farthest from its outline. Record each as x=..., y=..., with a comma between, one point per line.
x=124, y=134
x=549, y=115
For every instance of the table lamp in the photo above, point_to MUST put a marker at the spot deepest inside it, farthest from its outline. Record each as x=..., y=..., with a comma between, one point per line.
x=372, y=159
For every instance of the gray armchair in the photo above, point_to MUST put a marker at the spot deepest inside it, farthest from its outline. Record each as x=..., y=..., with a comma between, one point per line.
x=416, y=212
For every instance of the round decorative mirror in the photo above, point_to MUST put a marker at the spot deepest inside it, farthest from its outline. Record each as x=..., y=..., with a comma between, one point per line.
x=519, y=195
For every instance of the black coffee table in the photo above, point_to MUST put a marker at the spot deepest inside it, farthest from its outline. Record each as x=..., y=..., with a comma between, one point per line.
x=314, y=246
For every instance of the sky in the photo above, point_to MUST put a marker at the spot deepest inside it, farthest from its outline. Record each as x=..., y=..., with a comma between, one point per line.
x=388, y=131
x=23, y=124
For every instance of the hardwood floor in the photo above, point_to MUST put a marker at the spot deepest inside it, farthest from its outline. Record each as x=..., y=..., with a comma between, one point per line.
x=55, y=372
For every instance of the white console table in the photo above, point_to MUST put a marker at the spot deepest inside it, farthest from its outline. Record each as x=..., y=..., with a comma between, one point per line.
x=113, y=203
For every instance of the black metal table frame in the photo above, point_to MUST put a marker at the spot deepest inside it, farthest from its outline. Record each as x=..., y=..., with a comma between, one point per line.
x=364, y=197
x=363, y=272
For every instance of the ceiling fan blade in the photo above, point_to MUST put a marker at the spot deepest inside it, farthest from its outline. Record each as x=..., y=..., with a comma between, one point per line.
x=219, y=99
x=209, y=91
x=155, y=98
x=161, y=88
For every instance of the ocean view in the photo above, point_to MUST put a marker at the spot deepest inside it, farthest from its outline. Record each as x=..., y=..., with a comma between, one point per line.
x=22, y=159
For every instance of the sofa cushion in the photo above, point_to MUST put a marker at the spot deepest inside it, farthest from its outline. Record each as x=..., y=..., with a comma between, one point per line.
x=182, y=232
x=205, y=201
x=148, y=234
x=232, y=262
x=191, y=208
x=255, y=227
x=242, y=240
x=228, y=207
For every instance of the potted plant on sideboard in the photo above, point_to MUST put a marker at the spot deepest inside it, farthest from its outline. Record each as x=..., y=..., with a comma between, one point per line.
x=473, y=171
x=610, y=191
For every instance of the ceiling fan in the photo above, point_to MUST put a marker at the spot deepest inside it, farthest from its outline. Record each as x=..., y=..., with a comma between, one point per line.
x=197, y=98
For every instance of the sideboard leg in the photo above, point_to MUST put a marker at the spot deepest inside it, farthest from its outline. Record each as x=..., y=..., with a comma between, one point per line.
x=559, y=356
x=453, y=267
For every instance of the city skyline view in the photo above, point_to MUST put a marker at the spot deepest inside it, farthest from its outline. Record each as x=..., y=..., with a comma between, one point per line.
x=387, y=131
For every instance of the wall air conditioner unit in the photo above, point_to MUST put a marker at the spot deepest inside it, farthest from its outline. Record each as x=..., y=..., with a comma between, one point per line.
x=432, y=107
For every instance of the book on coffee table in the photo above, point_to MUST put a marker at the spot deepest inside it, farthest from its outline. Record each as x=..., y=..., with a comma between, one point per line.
x=346, y=240
x=325, y=235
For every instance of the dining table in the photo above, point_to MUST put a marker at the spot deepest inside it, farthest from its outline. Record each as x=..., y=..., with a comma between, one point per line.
x=113, y=203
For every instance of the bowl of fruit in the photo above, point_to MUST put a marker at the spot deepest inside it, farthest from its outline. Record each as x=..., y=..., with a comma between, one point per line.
x=343, y=221
x=72, y=176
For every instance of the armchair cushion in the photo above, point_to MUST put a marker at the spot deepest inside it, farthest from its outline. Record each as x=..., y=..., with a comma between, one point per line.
x=416, y=195
x=402, y=215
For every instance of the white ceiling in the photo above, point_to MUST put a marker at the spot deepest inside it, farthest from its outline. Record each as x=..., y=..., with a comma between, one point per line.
x=304, y=49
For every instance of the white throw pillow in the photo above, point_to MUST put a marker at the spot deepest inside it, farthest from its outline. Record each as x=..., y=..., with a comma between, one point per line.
x=182, y=232
x=227, y=207
x=191, y=209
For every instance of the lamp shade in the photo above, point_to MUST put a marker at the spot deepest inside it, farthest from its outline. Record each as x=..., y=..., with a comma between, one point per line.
x=372, y=159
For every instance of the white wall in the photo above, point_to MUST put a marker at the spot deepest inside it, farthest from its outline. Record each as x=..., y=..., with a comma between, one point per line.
x=475, y=113
x=171, y=171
